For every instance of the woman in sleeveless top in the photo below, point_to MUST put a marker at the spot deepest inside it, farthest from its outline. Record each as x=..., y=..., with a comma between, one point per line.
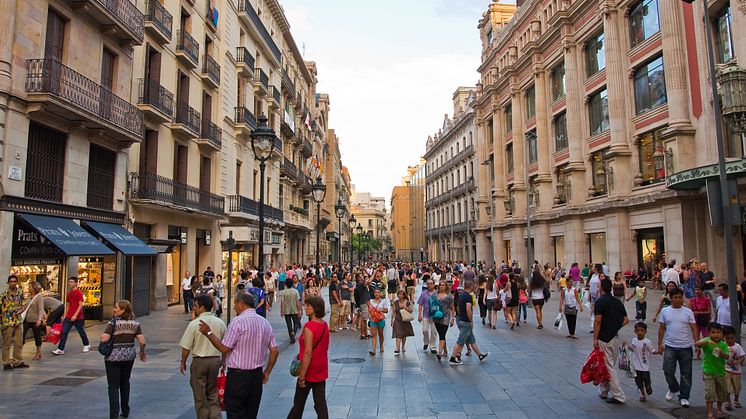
x=665, y=300
x=402, y=329
x=314, y=357
x=701, y=306
x=619, y=287
x=569, y=305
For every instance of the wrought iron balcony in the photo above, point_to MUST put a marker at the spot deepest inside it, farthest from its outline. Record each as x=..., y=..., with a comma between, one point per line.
x=155, y=100
x=307, y=148
x=212, y=135
x=262, y=81
x=187, y=49
x=459, y=158
x=288, y=169
x=245, y=119
x=164, y=191
x=245, y=62
x=158, y=21
x=122, y=15
x=242, y=204
x=288, y=85
x=276, y=96
x=210, y=71
x=72, y=96
x=247, y=13
x=187, y=120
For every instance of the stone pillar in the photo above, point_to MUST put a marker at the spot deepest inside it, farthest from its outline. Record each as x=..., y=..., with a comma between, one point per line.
x=498, y=150
x=674, y=63
x=574, y=113
x=543, y=251
x=576, y=248
x=543, y=147
x=483, y=247
x=519, y=166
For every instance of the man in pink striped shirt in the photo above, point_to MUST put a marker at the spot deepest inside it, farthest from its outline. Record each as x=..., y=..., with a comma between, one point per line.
x=248, y=342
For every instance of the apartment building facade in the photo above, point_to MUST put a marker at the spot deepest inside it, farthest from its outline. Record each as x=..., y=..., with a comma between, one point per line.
x=450, y=183
x=591, y=114
x=372, y=217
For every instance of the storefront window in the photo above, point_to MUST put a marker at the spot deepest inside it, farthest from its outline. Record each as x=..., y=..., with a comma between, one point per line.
x=558, y=81
x=651, y=249
x=643, y=21
x=48, y=276
x=598, y=112
x=530, y=96
x=560, y=132
x=650, y=86
x=595, y=58
x=508, y=253
x=90, y=275
x=598, y=247
x=559, y=249
x=652, y=154
x=723, y=36
x=242, y=260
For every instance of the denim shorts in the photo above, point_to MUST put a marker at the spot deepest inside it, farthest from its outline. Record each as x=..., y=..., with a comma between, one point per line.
x=465, y=333
x=379, y=325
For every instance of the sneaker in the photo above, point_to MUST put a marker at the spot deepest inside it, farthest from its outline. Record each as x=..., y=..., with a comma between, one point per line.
x=424, y=348
x=20, y=365
x=86, y=349
x=671, y=394
x=58, y=352
x=455, y=361
x=7, y=367
x=433, y=351
x=684, y=403
x=483, y=356
x=614, y=401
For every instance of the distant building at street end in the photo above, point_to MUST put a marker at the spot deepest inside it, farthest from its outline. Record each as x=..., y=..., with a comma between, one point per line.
x=407, y=219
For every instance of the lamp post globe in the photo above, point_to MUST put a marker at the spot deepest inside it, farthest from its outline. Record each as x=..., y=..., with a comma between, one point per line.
x=262, y=144
x=318, y=192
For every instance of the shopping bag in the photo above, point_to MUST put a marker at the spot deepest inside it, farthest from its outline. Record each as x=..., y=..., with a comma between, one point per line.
x=55, y=333
x=221, y=388
x=595, y=370
x=558, y=322
x=623, y=360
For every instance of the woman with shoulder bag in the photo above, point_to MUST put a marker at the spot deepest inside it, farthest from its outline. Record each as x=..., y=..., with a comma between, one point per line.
x=34, y=316
x=124, y=329
x=490, y=301
x=441, y=311
x=402, y=328
x=314, y=360
x=536, y=287
x=569, y=305
x=511, y=301
x=378, y=308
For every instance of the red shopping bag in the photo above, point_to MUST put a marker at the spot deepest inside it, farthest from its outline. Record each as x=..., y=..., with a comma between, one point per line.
x=595, y=370
x=221, y=388
x=54, y=333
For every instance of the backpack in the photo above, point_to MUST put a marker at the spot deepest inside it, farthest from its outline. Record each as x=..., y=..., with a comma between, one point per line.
x=434, y=308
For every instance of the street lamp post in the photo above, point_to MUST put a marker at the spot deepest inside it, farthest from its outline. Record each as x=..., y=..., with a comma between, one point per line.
x=230, y=244
x=359, y=230
x=340, y=210
x=262, y=144
x=318, y=191
x=529, y=256
x=352, y=222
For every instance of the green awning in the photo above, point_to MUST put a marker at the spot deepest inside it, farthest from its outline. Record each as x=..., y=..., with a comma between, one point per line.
x=697, y=177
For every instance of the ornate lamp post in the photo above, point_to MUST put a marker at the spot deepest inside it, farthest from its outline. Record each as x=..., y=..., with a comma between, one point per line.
x=352, y=222
x=262, y=144
x=340, y=210
x=359, y=230
x=318, y=191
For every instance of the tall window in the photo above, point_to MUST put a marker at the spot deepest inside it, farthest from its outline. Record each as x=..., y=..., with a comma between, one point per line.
x=558, y=81
x=651, y=151
x=55, y=36
x=595, y=57
x=643, y=21
x=530, y=102
x=650, y=86
x=532, y=147
x=598, y=112
x=723, y=36
x=509, y=158
x=508, y=119
x=560, y=132
x=101, y=166
x=45, y=163
x=491, y=130
x=598, y=173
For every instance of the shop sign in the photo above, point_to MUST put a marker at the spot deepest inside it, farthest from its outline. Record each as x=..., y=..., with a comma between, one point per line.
x=208, y=238
x=183, y=237
x=695, y=178
x=90, y=259
x=31, y=248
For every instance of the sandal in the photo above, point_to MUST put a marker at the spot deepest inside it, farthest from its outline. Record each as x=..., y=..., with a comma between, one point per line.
x=372, y=353
x=643, y=399
x=36, y=357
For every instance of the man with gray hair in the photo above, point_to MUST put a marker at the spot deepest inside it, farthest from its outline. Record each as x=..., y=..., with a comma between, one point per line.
x=249, y=342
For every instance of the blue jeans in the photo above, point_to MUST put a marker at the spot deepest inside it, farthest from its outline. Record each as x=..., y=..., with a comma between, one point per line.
x=522, y=308
x=188, y=298
x=682, y=356
x=641, y=310
x=465, y=333
x=66, y=326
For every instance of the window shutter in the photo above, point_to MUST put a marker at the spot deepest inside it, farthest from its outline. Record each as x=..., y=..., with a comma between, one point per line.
x=55, y=36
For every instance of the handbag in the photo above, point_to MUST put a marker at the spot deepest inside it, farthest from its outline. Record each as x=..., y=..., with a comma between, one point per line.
x=547, y=294
x=295, y=365
x=221, y=388
x=375, y=315
x=573, y=311
x=23, y=315
x=406, y=316
x=105, y=348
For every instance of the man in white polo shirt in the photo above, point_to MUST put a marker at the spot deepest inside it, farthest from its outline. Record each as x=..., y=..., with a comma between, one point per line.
x=675, y=340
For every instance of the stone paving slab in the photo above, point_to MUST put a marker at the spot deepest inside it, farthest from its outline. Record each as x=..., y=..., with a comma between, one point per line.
x=530, y=374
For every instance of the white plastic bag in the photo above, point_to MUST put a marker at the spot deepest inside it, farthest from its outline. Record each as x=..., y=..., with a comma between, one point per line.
x=558, y=321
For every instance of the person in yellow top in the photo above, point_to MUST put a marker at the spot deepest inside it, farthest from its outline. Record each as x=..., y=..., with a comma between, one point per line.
x=562, y=282
x=206, y=360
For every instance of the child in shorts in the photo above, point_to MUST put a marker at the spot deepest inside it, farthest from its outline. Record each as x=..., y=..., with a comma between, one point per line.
x=641, y=347
x=733, y=367
x=715, y=352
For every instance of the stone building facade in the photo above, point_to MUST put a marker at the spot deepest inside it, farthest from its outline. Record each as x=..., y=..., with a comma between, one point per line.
x=407, y=216
x=584, y=110
x=450, y=183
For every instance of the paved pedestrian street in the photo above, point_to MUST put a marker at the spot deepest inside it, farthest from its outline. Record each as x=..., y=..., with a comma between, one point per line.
x=529, y=373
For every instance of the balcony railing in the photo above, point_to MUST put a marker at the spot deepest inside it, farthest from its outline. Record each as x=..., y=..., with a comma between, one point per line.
x=188, y=46
x=117, y=12
x=187, y=116
x=160, y=189
x=459, y=158
x=288, y=169
x=307, y=148
x=244, y=116
x=276, y=95
x=263, y=78
x=240, y=203
x=49, y=76
x=288, y=84
x=211, y=68
x=153, y=94
x=159, y=17
x=246, y=7
x=212, y=133
x=244, y=56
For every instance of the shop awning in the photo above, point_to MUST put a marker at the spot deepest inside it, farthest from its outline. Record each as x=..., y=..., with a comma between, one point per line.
x=697, y=177
x=68, y=236
x=118, y=238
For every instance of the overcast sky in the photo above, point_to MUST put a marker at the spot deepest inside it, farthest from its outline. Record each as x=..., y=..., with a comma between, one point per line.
x=390, y=68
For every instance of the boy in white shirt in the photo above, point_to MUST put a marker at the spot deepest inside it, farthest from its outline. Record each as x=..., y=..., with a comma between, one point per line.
x=641, y=348
x=733, y=367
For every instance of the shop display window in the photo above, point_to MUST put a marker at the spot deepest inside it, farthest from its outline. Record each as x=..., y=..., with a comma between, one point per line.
x=48, y=276
x=90, y=275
